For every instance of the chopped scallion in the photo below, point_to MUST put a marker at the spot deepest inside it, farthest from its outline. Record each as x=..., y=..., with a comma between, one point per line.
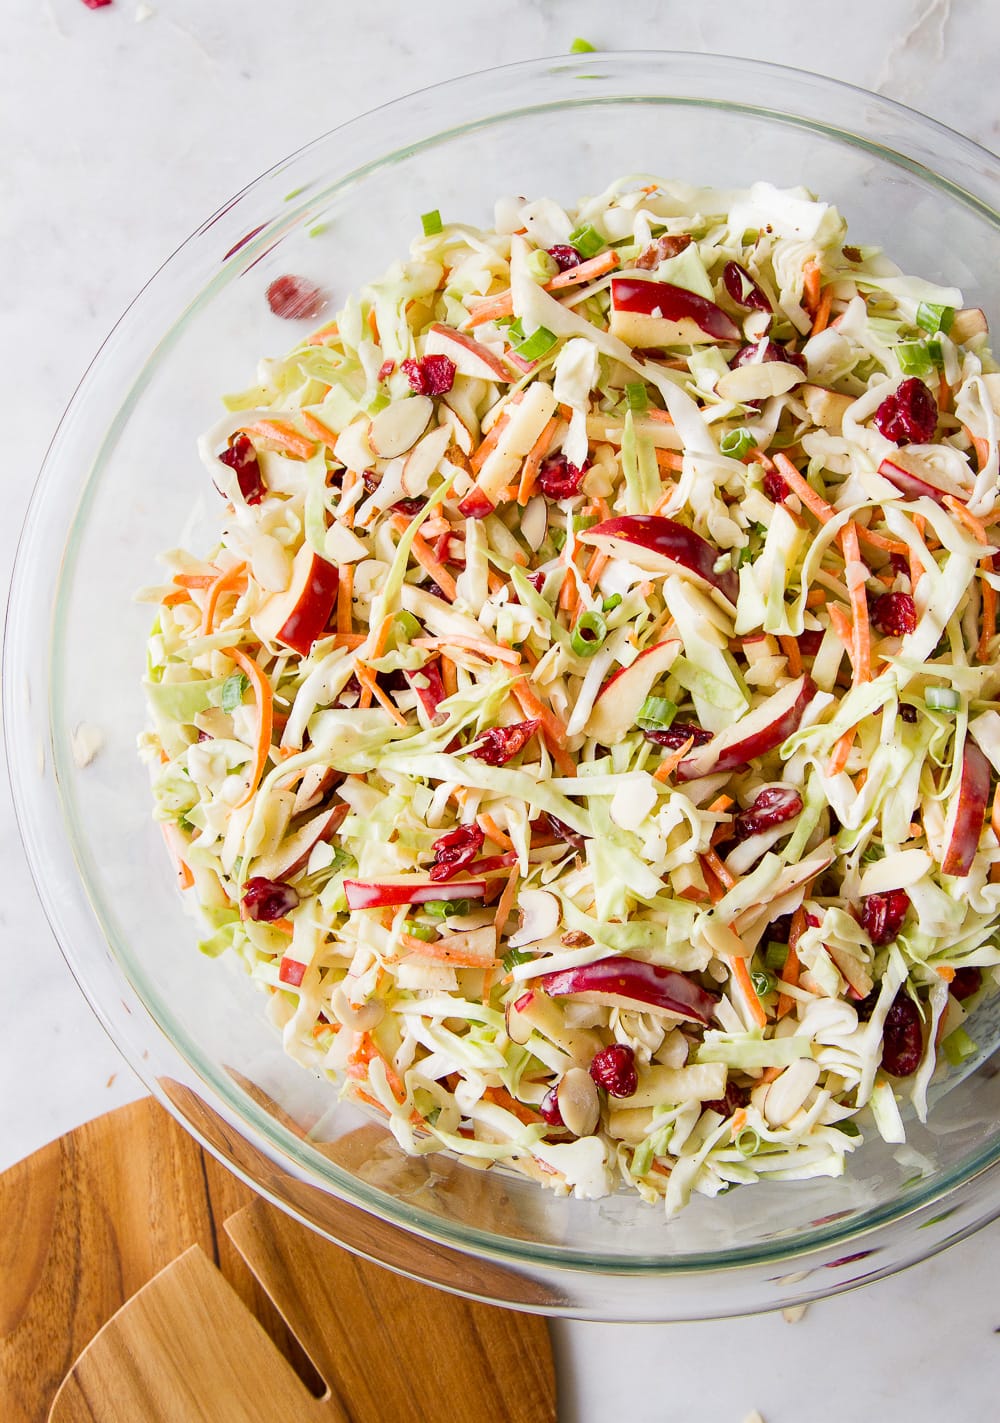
x=445, y=908
x=914, y=358
x=431, y=223
x=582, y=47
x=610, y=604
x=513, y=957
x=233, y=689
x=656, y=714
x=421, y=931
x=737, y=443
x=942, y=699
x=587, y=241
x=589, y=634
x=538, y=344
x=775, y=956
x=763, y=983
x=958, y=1046
x=933, y=318
x=636, y=397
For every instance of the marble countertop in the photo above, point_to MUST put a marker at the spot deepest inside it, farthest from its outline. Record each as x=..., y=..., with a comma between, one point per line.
x=126, y=126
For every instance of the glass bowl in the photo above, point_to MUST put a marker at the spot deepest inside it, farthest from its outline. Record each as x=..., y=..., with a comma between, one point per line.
x=122, y=481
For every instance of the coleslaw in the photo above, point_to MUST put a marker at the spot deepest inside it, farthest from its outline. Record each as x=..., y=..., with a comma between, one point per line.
x=586, y=730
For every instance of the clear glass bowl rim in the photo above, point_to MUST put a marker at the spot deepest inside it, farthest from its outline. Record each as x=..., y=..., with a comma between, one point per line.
x=908, y=139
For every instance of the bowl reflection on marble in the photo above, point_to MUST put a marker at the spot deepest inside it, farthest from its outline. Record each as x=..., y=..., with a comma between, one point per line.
x=122, y=480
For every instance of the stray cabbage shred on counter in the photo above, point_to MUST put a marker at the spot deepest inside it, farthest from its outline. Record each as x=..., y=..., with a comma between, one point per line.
x=586, y=730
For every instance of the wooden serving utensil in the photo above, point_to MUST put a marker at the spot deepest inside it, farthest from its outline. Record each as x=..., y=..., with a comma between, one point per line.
x=92, y=1220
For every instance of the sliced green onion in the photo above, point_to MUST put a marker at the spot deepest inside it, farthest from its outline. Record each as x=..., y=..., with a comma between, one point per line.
x=584, y=521
x=421, y=931
x=656, y=714
x=431, y=222
x=748, y=1142
x=933, y=318
x=737, y=443
x=233, y=689
x=763, y=983
x=541, y=266
x=958, y=1046
x=637, y=397
x=538, y=344
x=558, y=537
x=942, y=699
x=513, y=957
x=914, y=358
x=582, y=47
x=848, y=1127
x=587, y=241
x=743, y=555
x=775, y=956
x=610, y=604
x=589, y=634
x=404, y=627
x=935, y=352
x=445, y=908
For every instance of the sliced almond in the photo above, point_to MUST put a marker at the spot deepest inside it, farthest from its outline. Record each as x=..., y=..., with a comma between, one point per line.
x=579, y=1104
x=352, y=449
x=758, y=381
x=423, y=460
x=399, y=426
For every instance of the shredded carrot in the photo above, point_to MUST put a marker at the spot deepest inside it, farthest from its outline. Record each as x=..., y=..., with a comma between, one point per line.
x=481, y=645
x=813, y=501
x=265, y=718
x=916, y=567
x=811, y=279
x=318, y=430
x=672, y=760
x=569, y=593
x=346, y=486
x=860, y=779
x=493, y=308
x=350, y=640
x=506, y=900
x=981, y=446
x=989, y=596
x=533, y=462
x=345, y=599
x=285, y=436
x=363, y=1054
x=424, y=554
x=552, y=728
x=841, y=752
x=449, y=675
x=283, y=926
x=500, y=1097
x=720, y=870
x=179, y=595
x=367, y=678
x=595, y=567
x=961, y=512
x=716, y=889
x=442, y=951
x=822, y=318
x=771, y=1073
x=318, y=338
x=856, y=574
x=489, y=827
x=816, y=597
x=945, y=971
x=373, y=326
x=739, y=1121
x=174, y=836
x=196, y=580
x=659, y=417
x=841, y=623
x=790, y=972
x=480, y=454
x=720, y=805
x=225, y=583
x=995, y=813
x=741, y=974
x=868, y=536
x=790, y=647
x=669, y=459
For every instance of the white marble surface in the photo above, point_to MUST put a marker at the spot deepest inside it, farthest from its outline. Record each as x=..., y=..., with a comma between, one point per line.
x=123, y=128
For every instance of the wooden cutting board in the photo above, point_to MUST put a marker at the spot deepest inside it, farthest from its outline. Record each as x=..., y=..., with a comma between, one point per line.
x=266, y=1313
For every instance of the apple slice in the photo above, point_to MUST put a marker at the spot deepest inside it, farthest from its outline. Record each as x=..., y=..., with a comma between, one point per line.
x=399, y=426
x=753, y=735
x=352, y=448
x=423, y=460
x=295, y=849
x=617, y=704
x=525, y=422
x=660, y=545
x=624, y=983
x=404, y=889
x=970, y=321
x=427, y=682
x=915, y=475
x=471, y=357
x=649, y=314
x=826, y=407
x=964, y=823
x=298, y=616
x=315, y=783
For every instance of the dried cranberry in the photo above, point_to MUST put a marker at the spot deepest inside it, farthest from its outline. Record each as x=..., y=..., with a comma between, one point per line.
x=295, y=298
x=902, y=1039
x=882, y=915
x=735, y=1098
x=662, y=249
x=501, y=743
x=613, y=1068
x=763, y=351
x=434, y=375
x=810, y=642
x=895, y=614
x=775, y=487
x=537, y=581
x=771, y=807
x=456, y=850
x=680, y=732
x=268, y=899
x=966, y=982
x=909, y=415
x=96, y=4
x=565, y=256
x=548, y=1109
x=242, y=458
x=907, y=712
x=565, y=832
x=558, y=479
x=371, y=480
x=435, y=590
x=742, y=288
x=409, y=507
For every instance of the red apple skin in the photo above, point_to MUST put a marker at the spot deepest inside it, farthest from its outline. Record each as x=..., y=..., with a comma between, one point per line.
x=634, y=981
x=973, y=797
x=909, y=483
x=475, y=505
x=363, y=895
x=757, y=741
x=673, y=304
x=308, y=619
x=670, y=541
x=444, y=334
